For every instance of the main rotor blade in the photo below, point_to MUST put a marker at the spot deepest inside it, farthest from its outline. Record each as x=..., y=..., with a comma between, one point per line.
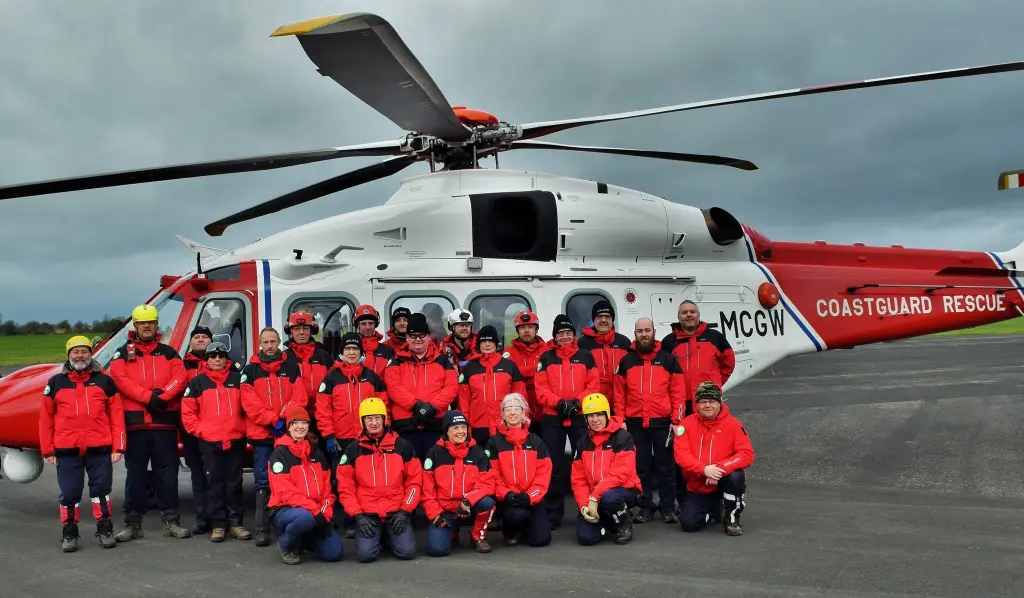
x=678, y=157
x=364, y=54
x=1011, y=179
x=534, y=130
x=300, y=196
x=198, y=169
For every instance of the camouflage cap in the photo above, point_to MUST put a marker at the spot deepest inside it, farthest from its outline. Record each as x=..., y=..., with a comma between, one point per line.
x=708, y=390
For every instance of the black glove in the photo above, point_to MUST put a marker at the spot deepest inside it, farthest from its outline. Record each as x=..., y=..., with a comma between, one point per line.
x=399, y=522
x=465, y=508
x=565, y=408
x=366, y=525
x=156, y=403
x=522, y=499
x=323, y=526
x=423, y=411
x=444, y=520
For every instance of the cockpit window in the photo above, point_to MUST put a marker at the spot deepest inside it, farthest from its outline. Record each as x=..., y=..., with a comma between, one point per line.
x=225, y=317
x=168, y=304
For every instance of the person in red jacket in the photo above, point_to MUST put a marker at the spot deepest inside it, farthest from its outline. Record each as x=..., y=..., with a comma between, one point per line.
x=380, y=484
x=458, y=488
x=270, y=385
x=399, y=324
x=313, y=360
x=211, y=410
x=81, y=431
x=150, y=377
x=704, y=353
x=713, y=451
x=522, y=474
x=604, y=479
x=376, y=354
x=461, y=343
x=525, y=351
x=484, y=382
x=301, y=502
x=422, y=384
x=565, y=374
x=650, y=391
x=195, y=361
x=605, y=344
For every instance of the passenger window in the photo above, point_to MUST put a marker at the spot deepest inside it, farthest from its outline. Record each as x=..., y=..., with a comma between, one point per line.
x=436, y=309
x=498, y=311
x=225, y=317
x=578, y=308
x=334, y=317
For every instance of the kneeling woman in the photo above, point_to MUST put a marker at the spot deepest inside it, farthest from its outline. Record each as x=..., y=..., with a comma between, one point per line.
x=522, y=474
x=457, y=485
x=211, y=410
x=301, y=502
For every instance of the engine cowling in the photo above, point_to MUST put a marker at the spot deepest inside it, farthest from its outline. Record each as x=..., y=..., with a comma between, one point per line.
x=23, y=465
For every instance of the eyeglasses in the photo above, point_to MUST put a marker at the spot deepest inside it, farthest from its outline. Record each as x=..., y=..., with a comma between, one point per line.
x=416, y=337
x=512, y=408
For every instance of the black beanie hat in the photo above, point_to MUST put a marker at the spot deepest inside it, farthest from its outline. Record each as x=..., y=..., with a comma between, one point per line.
x=487, y=333
x=562, y=322
x=602, y=307
x=400, y=312
x=200, y=330
x=452, y=418
x=417, y=324
x=351, y=339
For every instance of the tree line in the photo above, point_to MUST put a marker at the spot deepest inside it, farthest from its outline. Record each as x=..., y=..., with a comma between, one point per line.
x=100, y=326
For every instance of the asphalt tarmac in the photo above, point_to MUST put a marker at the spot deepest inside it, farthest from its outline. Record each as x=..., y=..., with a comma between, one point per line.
x=891, y=469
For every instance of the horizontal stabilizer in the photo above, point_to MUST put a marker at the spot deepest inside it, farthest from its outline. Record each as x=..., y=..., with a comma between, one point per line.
x=1011, y=179
x=205, y=253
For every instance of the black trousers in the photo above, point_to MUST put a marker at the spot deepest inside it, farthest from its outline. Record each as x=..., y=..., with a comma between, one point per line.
x=655, y=465
x=554, y=437
x=194, y=461
x=71, y=472
x=160, y=447
x=223, y=482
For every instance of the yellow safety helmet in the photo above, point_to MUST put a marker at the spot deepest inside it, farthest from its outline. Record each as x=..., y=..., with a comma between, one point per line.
x=77, y=341
x=373, y=406
x=145, y=313
x=596, y=403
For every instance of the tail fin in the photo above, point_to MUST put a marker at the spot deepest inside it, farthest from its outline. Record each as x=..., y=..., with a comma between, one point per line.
x=1011, y=179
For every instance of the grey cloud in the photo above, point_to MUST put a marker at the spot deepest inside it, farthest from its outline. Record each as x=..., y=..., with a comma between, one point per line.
x=110, y=86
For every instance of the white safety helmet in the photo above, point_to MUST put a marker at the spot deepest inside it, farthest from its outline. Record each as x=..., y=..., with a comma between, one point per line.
x=459, y=316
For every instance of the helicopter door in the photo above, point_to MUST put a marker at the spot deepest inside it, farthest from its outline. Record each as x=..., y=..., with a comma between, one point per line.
x=229, y=318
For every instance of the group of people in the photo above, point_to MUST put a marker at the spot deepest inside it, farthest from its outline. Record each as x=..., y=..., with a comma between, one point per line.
x=469, y=432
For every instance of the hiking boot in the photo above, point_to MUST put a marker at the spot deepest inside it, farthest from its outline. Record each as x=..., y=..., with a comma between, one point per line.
x=262, y=538
x=201, y=528
x=290, y=558
x=734, y=529
x=130, y=532
x=481, y=545
x=105, y=533
x=217, y=535
x=173, y=530
x=69, y=537
x=512, y=540
x=625, y=532
x=644, y=516
x=670, y=517
x=239, y=532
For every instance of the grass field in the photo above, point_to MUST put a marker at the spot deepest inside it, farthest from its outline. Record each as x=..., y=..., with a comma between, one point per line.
x=49, y=348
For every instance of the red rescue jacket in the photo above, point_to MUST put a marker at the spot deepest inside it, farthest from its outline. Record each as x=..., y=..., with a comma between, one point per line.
x=705, y=356
x=453, y=472
x=607, y=349
x=379, y=476
x=81, y=413
x=195, y=365
x=432, y=379
x=650, y=389
x=268, y=390
x=459, y=357
x=521, y=463
x=721, y=441
x=565, y=372
x=211, y=409
x=483, y=383
x=395, y=342
x=299, y=478
x=154, y=366
x=376, y=354
x=337, y=401
x=526, y=358
x=604, y=461
x=313, y=361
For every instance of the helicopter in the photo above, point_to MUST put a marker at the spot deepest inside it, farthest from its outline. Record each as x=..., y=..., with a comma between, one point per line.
x=497, y=242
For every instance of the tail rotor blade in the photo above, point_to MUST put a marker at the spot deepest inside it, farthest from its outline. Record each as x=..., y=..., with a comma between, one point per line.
x=539, y=129
x=640, y=153
x=198, y=169
x=323, y=188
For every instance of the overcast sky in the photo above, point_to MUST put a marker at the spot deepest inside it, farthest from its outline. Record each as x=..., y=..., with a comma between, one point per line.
x=108, y=85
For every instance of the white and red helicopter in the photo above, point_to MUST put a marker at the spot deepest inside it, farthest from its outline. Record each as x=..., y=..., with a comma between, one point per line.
x=498, y=241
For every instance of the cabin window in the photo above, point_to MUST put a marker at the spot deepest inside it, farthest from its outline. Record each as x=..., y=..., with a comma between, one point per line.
x=498, y=311
x=435, y=307
x=226, y=319
x=332, y=314
x=578, y=308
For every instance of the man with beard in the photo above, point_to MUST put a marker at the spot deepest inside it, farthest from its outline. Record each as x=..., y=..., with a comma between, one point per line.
x=270, y=385
x=151, y=378
x=525, y=351
x=605, y=344
x=81, y=431
x=460, y=345
x=399, y=324
x=375, y=353
x=313, y=360
x=650, y=391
